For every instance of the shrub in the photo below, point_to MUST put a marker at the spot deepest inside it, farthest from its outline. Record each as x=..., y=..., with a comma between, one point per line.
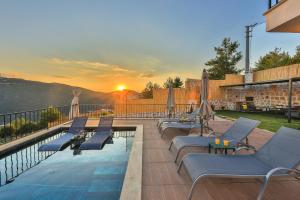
x=7, y=131
x=27, y=128
x=49, y=115
x=17, y=123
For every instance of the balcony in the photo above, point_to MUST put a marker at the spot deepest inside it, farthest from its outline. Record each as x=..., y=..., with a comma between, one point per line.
x=283, y=16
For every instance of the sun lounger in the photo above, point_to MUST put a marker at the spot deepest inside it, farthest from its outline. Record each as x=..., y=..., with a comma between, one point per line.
x=182, y=126
x=280, y=156
x=189, y=118
x=77, y=127
x=102, y=134
x=239, y=130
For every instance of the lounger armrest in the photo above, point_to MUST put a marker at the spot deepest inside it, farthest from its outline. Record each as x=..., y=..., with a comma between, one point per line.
x=244, y=148
x=272, y=171
x=269, y=175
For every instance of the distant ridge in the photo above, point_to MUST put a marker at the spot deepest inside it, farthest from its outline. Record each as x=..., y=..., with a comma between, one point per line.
x=22, y=95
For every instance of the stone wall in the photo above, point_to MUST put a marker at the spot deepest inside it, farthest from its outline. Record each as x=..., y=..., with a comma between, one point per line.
x=265, y=95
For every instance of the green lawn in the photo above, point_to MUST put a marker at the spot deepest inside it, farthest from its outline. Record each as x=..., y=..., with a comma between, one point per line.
x=271, y=122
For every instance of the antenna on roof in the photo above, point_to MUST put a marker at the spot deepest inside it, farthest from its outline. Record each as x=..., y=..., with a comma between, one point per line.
x=249, y=30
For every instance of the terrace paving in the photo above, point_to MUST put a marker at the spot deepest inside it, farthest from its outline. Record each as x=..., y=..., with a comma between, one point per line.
x=161, y=181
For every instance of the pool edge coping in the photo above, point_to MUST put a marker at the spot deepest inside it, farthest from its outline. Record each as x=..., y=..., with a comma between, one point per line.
x=132, y=185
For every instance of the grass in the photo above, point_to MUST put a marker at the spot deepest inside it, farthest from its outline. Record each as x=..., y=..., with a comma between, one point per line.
x=271, y=122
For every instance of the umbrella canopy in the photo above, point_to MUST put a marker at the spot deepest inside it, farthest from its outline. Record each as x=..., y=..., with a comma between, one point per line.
x=170, y=101
x=74, y=111
x=205, y=108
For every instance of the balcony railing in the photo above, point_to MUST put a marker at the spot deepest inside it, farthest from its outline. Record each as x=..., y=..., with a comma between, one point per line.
x=20, y=124
x=273, y=3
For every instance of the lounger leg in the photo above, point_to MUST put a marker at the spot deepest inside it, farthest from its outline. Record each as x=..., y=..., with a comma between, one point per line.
x=163, y=132
x=179, y=167
x=159, y=125
x=191, y=191
x=194, y=183
x=193, y=186
x=170, y=145
x=267, y=178
x=262, y=189
x=160, y=129
x=177, y=154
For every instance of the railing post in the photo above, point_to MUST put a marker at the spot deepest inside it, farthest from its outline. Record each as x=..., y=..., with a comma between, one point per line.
x=290, y=93
x=47, y=118
x=4, y=127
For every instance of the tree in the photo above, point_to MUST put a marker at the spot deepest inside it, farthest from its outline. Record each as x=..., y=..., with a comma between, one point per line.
x=147, y=93
x=175, y=83
x=296, y=57
x=227, y=56
x=275, y=58
x=178, y=83
x=169, y=82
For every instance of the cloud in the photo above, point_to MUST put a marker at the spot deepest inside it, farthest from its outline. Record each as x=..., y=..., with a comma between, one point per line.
x=11, y=75
x=147, y=75
x=120, y=69
x=90, y=66
x=78, y=62
x=61, y=77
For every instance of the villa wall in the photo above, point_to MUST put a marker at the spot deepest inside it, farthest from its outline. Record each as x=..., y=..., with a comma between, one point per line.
x=160, y=96
x=228, y=98
x=277, y=73
x=275, y=95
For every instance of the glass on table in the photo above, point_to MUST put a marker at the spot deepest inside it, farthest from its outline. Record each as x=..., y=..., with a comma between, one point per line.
x=226, y=143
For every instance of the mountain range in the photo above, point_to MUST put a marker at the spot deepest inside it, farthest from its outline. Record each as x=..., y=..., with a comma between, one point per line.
x=22, y=95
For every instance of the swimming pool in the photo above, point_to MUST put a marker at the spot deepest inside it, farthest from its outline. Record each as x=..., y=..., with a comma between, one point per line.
x=69, y=174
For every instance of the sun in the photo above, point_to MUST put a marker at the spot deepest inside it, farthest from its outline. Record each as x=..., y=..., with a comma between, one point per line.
x=121, y=87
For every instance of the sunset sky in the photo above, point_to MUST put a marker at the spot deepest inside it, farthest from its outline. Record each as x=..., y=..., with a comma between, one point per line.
x=100, y=44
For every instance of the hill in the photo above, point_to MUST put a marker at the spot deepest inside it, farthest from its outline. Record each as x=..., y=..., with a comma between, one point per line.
x=21, y=95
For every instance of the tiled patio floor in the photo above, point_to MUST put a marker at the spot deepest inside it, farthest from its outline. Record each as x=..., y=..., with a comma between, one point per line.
x=161, y=181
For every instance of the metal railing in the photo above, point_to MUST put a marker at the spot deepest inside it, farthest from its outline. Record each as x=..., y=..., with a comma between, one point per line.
x=20, y=124
x=22, y=160
x=272, y=3
x=149, y=110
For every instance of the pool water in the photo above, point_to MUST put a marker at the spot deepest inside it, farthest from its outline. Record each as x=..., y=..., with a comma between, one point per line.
x=68, y=174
